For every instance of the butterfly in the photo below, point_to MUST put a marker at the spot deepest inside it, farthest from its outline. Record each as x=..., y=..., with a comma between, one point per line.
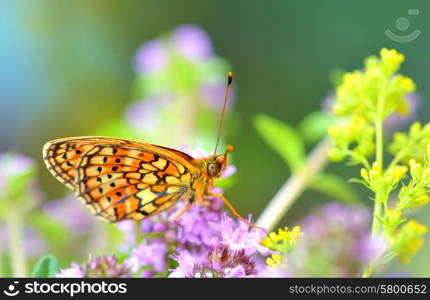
x=120, y=179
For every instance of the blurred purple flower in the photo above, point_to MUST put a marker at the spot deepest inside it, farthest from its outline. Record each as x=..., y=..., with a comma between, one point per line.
x=192, y=42
x=127, y=227
x=151, y=57
x=229, y=171
x=396, y=121
x=152, y=253
x=75, y=271
x=145, y=114
x=213, y=95
x=34, y=243
x=338, y=237
x=71, y=213
x=99, y=267
x=12, y=166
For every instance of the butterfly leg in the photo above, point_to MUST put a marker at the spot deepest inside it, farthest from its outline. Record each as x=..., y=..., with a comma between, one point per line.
x=233, y=210
x=187, y=207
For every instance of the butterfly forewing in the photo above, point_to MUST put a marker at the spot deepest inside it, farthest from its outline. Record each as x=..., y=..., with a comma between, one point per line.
x=121, y=179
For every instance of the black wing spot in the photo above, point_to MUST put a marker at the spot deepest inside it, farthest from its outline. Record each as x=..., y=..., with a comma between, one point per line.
x=101, y=190
x=118, y=160
x=109, y=176
x=114, y=169
x=69, y=164
x=112, y=184
x=118, y=194
x=99, y=179
x=78, y=151
x=99, y=169
x=105, y=159
x=114, y=151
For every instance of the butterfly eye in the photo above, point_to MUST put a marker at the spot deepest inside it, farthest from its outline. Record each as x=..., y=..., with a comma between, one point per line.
x=214, y=169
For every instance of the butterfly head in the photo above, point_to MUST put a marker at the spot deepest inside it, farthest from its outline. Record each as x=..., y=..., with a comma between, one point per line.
x=218, y=163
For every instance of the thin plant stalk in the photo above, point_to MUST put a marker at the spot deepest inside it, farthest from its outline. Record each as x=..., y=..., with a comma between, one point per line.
x=15, y=228
x=294, y=186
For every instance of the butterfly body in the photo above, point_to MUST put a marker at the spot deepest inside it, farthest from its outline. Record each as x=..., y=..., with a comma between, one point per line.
x=121, y=179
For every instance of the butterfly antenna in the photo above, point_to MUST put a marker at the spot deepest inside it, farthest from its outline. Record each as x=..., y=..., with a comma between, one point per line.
x=224, y=108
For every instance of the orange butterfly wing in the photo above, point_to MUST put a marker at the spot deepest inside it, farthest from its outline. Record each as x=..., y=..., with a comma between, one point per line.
x=121, y=179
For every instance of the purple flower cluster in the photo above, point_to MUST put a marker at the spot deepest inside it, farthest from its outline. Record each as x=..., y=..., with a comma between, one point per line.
x=13, y=167
x=233, y=254
x=104, y=266
x=71, y=213
x=187, y=49
x=189, y=41
x=336, y=242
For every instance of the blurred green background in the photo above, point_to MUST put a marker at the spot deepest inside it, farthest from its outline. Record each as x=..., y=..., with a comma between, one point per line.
x=67, y=68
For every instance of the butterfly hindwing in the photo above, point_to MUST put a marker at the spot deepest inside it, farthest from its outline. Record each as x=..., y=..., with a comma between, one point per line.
x=121, y=179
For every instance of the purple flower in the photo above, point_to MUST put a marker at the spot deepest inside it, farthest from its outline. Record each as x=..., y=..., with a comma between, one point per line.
x=34, y=243
x=229, y=171
x=192, y=42
x=127, y=227
x=219, y=262
x=145, y=114
x=213, y=94
x=99, y=267
x=151, y=57
x=194, y=227
x=75, y=271
x=338, y=238
x=232, y=255
x=150, y=254
x=238, y=237
x=13, y=166
x=70, y=212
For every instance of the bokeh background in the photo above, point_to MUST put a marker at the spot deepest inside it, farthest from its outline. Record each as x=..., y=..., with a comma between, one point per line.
x=67, y=69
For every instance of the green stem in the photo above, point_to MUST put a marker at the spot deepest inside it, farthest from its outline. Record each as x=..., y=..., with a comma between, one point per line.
x=15, y=226
x=379, y=159
x=294, y=186
x=378, y=196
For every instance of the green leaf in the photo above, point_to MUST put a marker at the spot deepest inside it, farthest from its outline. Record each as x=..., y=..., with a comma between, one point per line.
x=335, y=187
x=314, y=126
x=46, y=267
x=282, y=138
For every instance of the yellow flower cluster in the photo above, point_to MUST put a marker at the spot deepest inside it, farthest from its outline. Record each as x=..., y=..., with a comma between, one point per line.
x=361, y=92
x=412, y=145
x=358, y=133
x=376, y=180
x=408, y=240
x=281, y=242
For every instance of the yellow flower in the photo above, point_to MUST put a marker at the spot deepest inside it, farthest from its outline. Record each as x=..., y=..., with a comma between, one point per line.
x=392, y=58
x=364, y=174
x=283, y=240
x=408, y=240
x=276, y=260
